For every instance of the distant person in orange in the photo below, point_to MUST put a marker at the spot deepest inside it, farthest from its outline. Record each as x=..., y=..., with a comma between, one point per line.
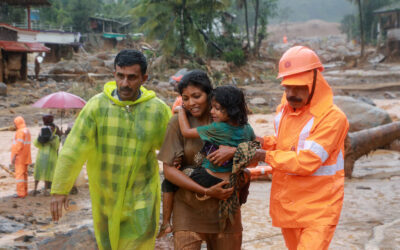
x=285, y=39
x=306, y=154
x=21, y=156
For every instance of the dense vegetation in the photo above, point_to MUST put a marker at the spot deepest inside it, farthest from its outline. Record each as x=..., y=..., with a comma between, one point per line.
x=229, y=29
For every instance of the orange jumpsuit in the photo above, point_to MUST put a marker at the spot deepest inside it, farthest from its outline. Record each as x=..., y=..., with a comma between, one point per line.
x=307, y=157
x=21, y=150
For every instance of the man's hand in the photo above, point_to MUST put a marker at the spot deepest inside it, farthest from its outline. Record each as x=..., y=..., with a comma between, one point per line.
x=57, y=202
x=221, y=155
x=217, y=191
x=259, y=156
x=260, y=140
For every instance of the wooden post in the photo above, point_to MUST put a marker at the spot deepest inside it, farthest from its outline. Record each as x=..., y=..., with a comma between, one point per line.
x=29, y=17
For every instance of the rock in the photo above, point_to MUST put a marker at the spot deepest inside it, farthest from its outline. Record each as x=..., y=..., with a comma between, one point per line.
x=159, y=63
x=24, y=238
x=258, y=101
x=3, y=89
x=361, y=115
x=79, y=238
x=14, y=105
x=389, y=95
x=163, y=85
x=104, y=56
x=366, y=100
x=9, y=226
x=96, y=62
x=69, y=67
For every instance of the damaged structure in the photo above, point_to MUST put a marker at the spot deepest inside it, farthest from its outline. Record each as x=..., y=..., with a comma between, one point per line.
x=389, y=26
x=13, y=52
x=107, y=33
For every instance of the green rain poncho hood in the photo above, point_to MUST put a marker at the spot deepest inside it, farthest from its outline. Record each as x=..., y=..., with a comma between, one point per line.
x=118, y=139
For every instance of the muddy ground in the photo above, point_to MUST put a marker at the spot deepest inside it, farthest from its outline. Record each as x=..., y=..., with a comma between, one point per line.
x=369, y=220
x=371, y=210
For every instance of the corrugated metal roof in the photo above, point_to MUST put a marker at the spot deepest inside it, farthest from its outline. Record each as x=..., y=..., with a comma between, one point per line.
x=389, y=8
x=16, y=28
x=23, y=47
x=26, y=2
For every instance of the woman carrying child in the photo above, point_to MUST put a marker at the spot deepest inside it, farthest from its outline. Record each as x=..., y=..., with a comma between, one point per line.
x=195, y=218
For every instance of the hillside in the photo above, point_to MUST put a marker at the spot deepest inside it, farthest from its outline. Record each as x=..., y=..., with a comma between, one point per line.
x=303, y=10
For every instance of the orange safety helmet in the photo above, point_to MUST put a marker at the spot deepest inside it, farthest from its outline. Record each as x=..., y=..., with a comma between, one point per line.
x=298, y=59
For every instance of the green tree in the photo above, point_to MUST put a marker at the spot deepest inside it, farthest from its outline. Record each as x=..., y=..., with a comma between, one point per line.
x=263, y=9
x=178, y=23
x=56, y=15
x=12, y=14
x=243, y=4
x=80, y=11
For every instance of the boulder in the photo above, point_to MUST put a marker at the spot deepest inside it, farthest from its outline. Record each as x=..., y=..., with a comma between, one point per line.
x=3, y=89
x=258, y=101
x=67, y=67
x=9, y=226
x=360, y=114
x=96, y=62
x=80, y=238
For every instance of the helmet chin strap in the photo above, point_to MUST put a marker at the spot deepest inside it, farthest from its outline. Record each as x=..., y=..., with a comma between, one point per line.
x=313, y=87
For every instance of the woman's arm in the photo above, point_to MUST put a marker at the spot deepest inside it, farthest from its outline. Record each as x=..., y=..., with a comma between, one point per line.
x=184, y=125
x=183, y=181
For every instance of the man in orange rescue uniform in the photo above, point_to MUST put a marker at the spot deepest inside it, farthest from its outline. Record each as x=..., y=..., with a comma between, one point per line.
x=306, y=154
x=21, y=156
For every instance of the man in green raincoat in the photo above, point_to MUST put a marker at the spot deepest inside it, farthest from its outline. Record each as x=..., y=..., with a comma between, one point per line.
x=117, y=133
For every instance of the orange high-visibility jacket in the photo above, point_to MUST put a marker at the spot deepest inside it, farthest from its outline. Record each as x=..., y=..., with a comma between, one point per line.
x=21, y=146
x=307, y=157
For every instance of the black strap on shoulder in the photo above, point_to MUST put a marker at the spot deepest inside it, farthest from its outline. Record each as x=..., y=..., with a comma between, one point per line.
x=313, y=86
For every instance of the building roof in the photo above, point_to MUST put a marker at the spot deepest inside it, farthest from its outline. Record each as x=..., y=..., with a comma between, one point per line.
x=394, y=7
x=23, y=47
x=10, y=27
x=26, y=2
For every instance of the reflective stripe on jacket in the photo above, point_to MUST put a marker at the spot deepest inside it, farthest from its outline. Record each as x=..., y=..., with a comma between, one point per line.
x=306, y=155
x=21, y=146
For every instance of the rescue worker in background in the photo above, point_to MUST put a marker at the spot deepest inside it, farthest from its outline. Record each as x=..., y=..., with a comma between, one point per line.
x=306, y=154
x=117, y=132
x=21, y=156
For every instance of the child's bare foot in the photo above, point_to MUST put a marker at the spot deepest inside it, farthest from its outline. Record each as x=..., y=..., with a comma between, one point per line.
x=164, y=230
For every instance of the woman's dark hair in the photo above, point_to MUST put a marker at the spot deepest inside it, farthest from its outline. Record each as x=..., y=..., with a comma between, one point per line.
x=232, y=100
x=129, y=57
x=197, y=78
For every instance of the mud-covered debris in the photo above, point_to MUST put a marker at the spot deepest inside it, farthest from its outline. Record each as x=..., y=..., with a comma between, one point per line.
x=389, y=95
x=3, y=89
x=258, y=101
x=9, y=226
